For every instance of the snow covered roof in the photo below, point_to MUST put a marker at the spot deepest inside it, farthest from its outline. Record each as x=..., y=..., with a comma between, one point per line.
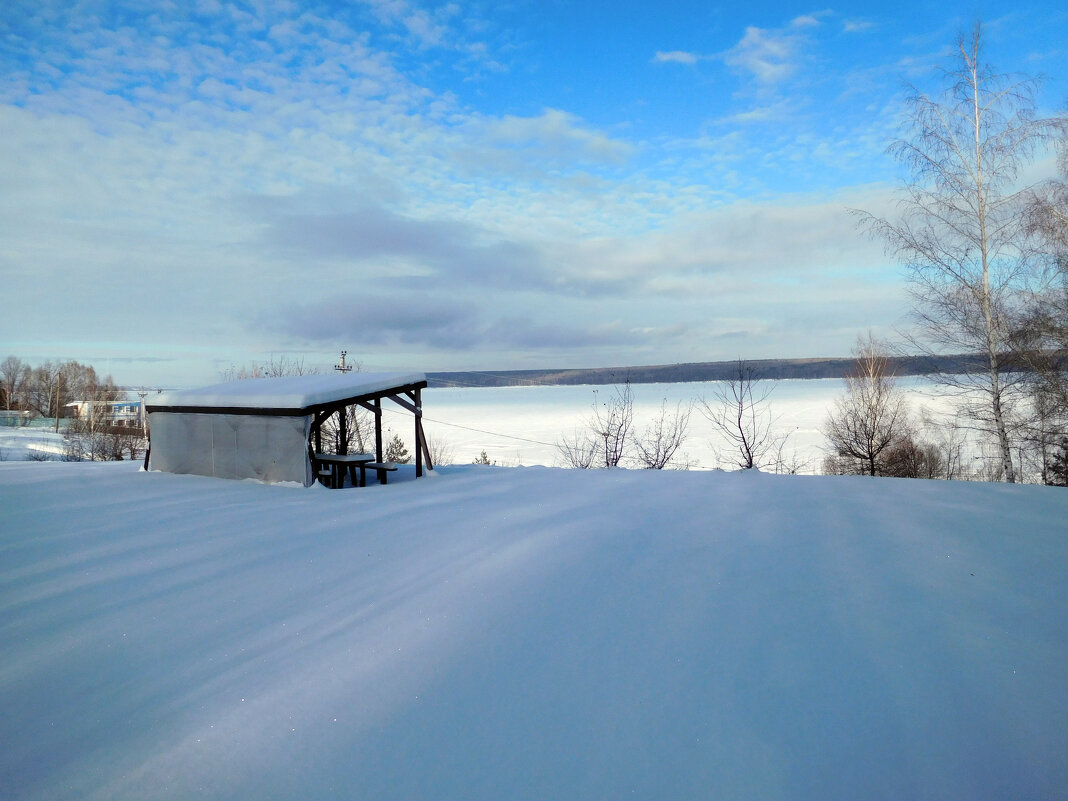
x=296, y=393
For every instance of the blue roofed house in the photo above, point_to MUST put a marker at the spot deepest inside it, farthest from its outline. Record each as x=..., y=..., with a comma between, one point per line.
x=112, y=413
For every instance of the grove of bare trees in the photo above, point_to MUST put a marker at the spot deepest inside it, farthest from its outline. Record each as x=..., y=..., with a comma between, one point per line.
x=967, y=229
x=71, y=390
x=48, y=389
x=608, y=438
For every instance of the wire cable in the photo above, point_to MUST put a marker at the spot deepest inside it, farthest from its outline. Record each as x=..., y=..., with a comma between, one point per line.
x=476, y=430
x=490, y=433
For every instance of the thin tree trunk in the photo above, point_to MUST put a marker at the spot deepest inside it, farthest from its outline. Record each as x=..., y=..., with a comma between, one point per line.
x=987, y=304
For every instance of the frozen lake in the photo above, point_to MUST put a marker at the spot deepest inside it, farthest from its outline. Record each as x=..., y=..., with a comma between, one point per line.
x=522, y=425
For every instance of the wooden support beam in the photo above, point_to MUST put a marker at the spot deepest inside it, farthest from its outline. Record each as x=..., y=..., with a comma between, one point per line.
x=378, y=429
x=342, y=427
x=411, y=407
x=317, y=429
x=419, y=447
x=422, y=450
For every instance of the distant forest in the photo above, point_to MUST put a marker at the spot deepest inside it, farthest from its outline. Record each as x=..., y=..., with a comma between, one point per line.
x=703, y=371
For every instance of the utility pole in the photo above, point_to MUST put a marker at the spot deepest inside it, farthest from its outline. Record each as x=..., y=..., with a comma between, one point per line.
x=342, y=367
x=59, y=377
x=342, y=414
x=141, y=393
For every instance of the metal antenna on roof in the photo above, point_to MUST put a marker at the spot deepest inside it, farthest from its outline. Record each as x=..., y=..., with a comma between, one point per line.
x=343, y=368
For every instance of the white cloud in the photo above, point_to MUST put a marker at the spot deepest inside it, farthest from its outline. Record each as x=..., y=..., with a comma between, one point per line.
x=676, y=57
x=856, y=25
x=774, y=55
x=769, y=56
x=229, y=175
x=425, y=28
x=555, y=135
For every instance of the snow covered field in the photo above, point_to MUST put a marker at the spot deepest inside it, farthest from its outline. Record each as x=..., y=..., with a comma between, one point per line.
x=20, y=444
x=530, y=633
x=526, y=423
x=523, y=425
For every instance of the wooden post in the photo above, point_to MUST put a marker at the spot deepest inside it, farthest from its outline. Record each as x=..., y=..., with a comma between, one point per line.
x=418, y=437
x=342, y=415
x=378, y=429
x=421, y=446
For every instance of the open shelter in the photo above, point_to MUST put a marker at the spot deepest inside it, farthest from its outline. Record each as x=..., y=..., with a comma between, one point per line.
x=271, y=428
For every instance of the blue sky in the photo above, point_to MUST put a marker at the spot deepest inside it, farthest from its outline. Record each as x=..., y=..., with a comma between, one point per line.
x=190, y=185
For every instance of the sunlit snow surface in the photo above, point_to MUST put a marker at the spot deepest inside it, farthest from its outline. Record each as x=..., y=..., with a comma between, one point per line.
x=530, y=633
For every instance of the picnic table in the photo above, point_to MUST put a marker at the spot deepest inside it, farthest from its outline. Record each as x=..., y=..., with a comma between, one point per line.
x=333, y=466
x=330, y=468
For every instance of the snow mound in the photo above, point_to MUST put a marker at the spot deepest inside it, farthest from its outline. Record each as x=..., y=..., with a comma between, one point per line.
x=530, y=633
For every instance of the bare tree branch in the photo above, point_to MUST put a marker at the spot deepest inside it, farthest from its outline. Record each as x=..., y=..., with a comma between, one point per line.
x=741, y=413
x=871, y=415
x=662, y=438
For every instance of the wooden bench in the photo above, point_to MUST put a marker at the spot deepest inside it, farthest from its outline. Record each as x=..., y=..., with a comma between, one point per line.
x=383, y=469
x=325, y=475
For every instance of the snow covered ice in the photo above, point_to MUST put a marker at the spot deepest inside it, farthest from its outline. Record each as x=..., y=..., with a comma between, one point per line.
x=530, y=633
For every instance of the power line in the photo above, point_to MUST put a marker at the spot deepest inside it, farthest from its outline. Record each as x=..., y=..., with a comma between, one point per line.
x=690, y=468
x=477, y=430
x=490, y=433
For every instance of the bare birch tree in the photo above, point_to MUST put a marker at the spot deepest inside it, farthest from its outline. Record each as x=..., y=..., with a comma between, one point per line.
x=871, y=416
x=740, y=411
x=960, y=231
x=605, y=440
x=14, y=375
x=578, y=451
x=1042, y=338
x=608, y=437
x=661, y=439
x=46, y=392
x=357, y=435
x=274, y=367
x=441, y=450
x=1047, y=214
x=611, y=425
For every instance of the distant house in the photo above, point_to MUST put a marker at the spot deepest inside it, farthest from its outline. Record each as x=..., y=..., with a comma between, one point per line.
x=118, y=413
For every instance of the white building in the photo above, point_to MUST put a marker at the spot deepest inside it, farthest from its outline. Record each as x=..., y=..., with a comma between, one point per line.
x=118, y=413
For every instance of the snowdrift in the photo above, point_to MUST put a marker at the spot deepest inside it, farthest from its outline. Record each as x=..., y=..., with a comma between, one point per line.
x=530, y=633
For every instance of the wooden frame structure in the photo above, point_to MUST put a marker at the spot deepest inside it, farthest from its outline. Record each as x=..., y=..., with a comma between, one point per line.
x=407, y=396
x=271, y=429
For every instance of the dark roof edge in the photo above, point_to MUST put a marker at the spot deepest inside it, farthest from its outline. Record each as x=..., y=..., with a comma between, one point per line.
x=285, y=412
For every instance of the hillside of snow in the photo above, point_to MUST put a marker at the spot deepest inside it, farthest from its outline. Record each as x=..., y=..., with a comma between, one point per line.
x=530, y=633
x=23, y=444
